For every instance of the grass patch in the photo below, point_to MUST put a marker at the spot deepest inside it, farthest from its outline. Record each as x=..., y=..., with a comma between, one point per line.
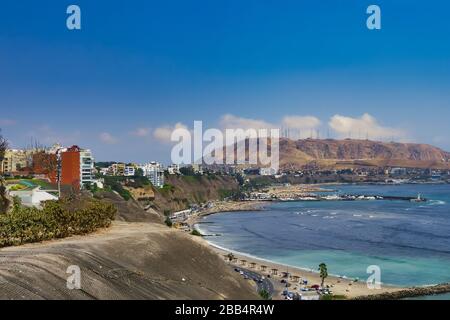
x=195, y=232
x=264, y=294
x=167, y=188
x=17, y=187
x=42, y=183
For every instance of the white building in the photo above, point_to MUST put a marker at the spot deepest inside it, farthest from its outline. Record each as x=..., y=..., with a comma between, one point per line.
x=105, y=171
x=154, y=171
x=173, y=169
x=129, y=171
x=86, y=167
x=197, y=168
x=33, y=197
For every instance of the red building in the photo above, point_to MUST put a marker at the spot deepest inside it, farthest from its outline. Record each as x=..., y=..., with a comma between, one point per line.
x=76, y=166
x=70, y=167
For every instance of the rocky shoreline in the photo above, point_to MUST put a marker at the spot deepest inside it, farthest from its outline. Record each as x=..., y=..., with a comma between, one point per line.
x=409, y=293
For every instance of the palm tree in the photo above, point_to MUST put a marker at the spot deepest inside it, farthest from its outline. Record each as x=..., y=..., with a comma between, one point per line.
x=230, y=257
x=323, y=272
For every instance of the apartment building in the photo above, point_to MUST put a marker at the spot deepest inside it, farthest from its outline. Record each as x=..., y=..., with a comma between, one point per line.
x=117, y=169
x=154, y=171
x=86, y=167
x=14, y=161
x=129, y=171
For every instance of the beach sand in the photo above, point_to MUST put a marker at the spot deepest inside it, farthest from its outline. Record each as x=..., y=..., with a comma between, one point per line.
x=339, y=286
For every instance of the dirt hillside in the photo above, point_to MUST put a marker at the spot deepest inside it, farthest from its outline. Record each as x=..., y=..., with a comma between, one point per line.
x=127, y=261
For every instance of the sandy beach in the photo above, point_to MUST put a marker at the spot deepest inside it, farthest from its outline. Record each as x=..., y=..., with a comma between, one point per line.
x=339, y=286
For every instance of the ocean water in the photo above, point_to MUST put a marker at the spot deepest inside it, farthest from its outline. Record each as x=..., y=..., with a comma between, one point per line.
x=410, y=242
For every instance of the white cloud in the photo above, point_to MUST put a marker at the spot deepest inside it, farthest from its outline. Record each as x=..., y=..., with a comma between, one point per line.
x=141, y=132
x=107, y=138
x=301, y=122
x=364, y=126
x=230, y=121
x=164, y=133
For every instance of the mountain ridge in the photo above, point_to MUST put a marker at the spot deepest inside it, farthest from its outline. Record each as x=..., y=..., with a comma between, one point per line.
x=332, y=153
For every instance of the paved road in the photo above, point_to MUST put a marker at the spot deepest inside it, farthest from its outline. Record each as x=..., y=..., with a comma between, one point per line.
x=262, y=284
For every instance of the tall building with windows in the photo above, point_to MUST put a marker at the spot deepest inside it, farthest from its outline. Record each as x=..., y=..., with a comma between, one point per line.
x=86, y=167
x=75, y=166
x=154, y=171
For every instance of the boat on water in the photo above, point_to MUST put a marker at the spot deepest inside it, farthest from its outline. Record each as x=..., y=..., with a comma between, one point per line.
x=418, y=199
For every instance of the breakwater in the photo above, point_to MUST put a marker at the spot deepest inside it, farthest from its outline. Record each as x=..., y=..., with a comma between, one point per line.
x=409, y=293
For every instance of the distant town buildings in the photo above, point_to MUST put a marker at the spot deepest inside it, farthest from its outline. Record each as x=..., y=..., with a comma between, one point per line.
x=129, y=171
x=117, y=169
x=14, y=161
x=154, y=171
x=173, y=169
x=197, y=168
x=74, y=167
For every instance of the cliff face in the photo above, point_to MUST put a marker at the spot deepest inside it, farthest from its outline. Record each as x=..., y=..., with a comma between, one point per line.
x=181, y=191
x=331, y=152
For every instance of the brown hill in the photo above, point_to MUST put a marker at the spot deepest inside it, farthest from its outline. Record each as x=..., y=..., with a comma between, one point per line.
x=331, y=153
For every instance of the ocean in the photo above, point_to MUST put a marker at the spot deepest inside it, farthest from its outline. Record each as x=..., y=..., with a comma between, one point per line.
x=410, y=242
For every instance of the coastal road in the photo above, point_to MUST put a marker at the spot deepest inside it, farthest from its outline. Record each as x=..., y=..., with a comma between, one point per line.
x=262, y=284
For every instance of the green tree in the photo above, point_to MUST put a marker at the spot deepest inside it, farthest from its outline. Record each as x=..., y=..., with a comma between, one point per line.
x=195, y=232
x=168, y=222
x=139, y=172
x=323, y=272
x=187, y=171
x=230, y=257
x=264, y=294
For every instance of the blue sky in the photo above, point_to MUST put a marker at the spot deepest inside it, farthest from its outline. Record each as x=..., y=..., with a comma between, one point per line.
x=137, y=68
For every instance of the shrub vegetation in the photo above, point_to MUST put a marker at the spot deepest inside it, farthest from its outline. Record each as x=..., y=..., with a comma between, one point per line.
x=57, y=219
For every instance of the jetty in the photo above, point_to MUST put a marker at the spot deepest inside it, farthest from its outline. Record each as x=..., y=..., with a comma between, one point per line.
x=409, y=293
